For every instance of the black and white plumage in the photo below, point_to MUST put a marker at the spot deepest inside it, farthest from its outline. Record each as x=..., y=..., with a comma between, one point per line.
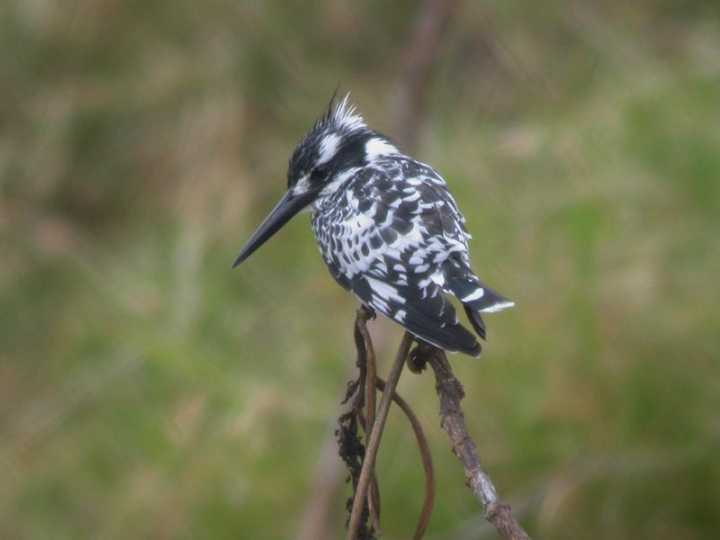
x=387, y=227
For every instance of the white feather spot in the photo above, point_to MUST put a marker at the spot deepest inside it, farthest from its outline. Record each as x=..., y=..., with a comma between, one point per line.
x=328, y=148
x=498, y=307
x=359, y=221
x=380, y=304
x=414, y=197
x=339, y=180
x=302, y=185
x=438, y=278
x=384, y=290
x=377, y=147
x=475, y=295
x=408, y=241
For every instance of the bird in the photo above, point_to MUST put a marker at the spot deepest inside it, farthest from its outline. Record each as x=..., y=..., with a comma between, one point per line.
x=387, y=227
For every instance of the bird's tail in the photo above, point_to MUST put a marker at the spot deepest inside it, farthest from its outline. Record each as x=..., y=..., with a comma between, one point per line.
x=477, y=298
x=490, y=302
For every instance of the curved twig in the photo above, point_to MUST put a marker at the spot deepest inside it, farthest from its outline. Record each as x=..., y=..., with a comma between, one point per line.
x=375, y=436
x=426, y=456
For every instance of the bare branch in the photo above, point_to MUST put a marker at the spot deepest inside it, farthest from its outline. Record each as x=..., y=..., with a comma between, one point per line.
x=451, y=392
x=375, y=436
x=370, y=402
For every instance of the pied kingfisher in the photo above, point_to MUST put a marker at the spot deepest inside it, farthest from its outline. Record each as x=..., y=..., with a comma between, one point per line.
x=387, y=227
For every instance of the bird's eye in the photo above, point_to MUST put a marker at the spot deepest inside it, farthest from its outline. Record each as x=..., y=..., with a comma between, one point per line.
x=320, y=172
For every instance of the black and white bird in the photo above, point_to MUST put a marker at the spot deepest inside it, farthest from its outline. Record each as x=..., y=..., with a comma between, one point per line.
x=387, y=227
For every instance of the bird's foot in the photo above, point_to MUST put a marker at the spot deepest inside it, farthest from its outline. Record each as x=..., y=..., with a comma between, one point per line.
x=419, y=356
x=367, y=313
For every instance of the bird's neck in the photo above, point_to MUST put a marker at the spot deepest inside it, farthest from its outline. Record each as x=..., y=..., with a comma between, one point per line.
x=368, y=150
x=378, y=147
x=337, y=184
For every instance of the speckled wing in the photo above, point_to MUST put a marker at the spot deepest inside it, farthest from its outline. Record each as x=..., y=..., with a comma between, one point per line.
x=386, y=238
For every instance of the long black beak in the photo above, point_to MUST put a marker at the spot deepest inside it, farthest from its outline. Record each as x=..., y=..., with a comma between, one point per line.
x=284, y=210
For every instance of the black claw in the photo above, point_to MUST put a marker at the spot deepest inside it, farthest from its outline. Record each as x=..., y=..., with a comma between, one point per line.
x=368, y=313
x=419, y=356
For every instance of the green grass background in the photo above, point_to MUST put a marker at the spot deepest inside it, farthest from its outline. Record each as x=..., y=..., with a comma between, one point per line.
x=147, y=391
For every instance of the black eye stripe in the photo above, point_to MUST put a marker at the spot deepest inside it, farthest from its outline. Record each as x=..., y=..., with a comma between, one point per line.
x=320, y=172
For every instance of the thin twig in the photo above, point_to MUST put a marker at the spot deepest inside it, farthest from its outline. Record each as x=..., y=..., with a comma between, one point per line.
x=426, y=456
x=375, y=436
x=450, y=392
x=370, y=402
x=371, y=371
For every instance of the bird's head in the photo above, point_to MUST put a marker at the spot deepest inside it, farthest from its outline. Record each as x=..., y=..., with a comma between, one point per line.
x=337, y=145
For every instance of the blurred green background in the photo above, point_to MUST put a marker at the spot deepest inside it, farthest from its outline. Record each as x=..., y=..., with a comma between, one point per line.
x=147, y=391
